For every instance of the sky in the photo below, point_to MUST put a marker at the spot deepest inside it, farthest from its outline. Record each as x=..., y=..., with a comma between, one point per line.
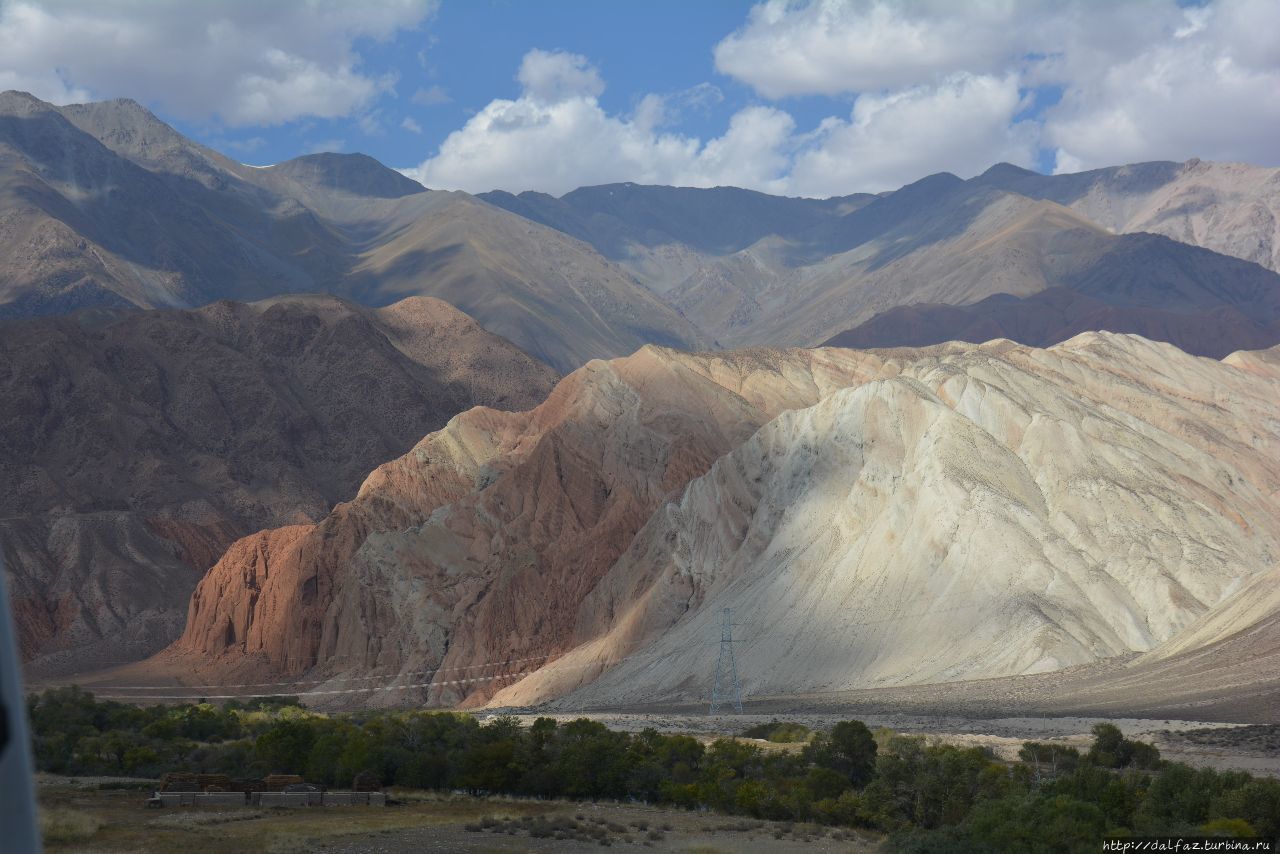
x=814, y=98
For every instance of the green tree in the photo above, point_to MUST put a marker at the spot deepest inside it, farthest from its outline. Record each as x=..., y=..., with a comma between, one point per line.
x=286, y=746
x=592, y=761
x=849, y=749
x=1112, y=750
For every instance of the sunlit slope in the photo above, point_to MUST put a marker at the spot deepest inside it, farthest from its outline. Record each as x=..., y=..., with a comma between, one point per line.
x=989, y=512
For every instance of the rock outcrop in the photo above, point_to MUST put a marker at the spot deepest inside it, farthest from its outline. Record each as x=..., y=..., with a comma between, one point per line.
x=479, y=545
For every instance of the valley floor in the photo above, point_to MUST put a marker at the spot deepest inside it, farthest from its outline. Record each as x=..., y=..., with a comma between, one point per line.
x=90, y=819
x=1218, y=745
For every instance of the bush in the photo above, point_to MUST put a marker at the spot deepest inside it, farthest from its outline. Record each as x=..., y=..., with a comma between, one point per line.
x=778, y=732
x=1050, y=757
x=1232, y=828
x=1112, y=750
x=849, y=749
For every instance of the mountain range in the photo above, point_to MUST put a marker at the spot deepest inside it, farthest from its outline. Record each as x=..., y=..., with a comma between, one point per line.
x=105, y=205
x=1000, y=253
x=314, y=421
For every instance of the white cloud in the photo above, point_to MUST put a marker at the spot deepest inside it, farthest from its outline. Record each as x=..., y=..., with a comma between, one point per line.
x=962, y=125
x=556, y=137
x=937, y=86
x=431, y=96
x=829, y=47
x=410, y=125
x=1141, y=80
x=370, y=123
x=1211, y=91
x=654, y=110
x=326, y=145
x=1064, y=163
x=244, y=63
x=554, y=76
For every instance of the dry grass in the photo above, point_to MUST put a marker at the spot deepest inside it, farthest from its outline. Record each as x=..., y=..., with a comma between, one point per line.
x=61, y=825
x=189, y=819
x=116, y=822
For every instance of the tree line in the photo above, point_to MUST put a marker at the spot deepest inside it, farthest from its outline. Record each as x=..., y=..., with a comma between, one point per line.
x=928, y=796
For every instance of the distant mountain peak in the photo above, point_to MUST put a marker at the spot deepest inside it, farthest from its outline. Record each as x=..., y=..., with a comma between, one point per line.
x=934, y=181
x=118, y=103
x=14, y=101
x=357, y=174
x=118, y=112
x=1004, y=169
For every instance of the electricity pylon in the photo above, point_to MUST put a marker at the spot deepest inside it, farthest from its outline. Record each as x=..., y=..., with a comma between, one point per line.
x=726, y=689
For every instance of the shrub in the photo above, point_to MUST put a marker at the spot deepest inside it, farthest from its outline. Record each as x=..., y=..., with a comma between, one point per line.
x=1047, y=756
x=1112, y=750
x=778, y=732
x=1233, y=828
x=849, y=749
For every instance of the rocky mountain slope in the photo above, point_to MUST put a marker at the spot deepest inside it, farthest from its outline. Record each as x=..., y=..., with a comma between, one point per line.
x=1059, y=313
x=979, y=243
x=104, y=205
x=618, y=218
x=1232, y=208
x=752, y=269
x=873, y=518
x=478, y=545
x=992, y=512
x=136, y=446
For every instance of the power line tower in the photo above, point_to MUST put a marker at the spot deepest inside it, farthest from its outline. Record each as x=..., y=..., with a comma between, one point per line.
x=726, y=690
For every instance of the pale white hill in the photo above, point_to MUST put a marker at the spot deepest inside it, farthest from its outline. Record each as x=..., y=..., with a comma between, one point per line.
x=991, y=511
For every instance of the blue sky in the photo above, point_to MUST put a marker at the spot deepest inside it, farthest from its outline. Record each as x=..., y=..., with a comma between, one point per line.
x=461, y=51
x=459, y=55
x=788, y=96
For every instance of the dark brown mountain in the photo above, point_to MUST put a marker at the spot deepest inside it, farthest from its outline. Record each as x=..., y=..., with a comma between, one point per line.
x=135, y=446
